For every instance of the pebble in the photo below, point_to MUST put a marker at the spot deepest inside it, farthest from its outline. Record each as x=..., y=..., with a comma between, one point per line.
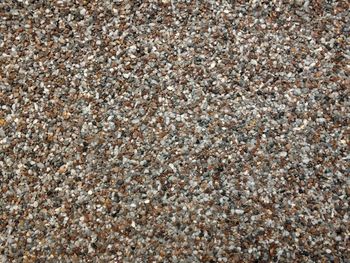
x=143, y=131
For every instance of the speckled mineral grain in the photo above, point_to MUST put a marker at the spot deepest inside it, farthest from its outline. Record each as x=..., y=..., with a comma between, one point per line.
x=174, y=131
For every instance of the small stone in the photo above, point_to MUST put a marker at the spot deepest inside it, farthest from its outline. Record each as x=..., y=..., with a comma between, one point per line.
x=239, y=211
x=283, y=154
x=62, y=169
x=306, y=160
x=83, y=11
x=297, y=92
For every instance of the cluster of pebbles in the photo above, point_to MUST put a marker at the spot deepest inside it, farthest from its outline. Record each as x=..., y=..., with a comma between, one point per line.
x=174, y=131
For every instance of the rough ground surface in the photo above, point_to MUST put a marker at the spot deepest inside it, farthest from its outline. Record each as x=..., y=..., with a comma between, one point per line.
x=174, y=131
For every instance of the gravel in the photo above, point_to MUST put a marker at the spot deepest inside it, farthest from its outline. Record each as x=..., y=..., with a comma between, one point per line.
x=174, y=131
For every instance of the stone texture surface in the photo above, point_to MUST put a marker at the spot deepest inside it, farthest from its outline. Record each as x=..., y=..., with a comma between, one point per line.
x=174, y=131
